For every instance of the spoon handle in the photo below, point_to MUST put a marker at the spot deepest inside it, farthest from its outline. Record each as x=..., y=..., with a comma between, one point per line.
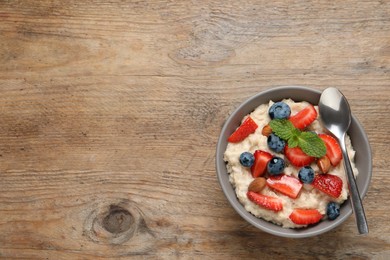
x=356, y=202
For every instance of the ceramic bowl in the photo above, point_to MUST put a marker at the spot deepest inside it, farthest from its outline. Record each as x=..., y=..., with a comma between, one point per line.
x=363, y=160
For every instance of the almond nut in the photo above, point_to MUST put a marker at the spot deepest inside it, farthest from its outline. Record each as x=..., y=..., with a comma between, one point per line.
x=267, y=130
x=257, y=184
x=323, y=164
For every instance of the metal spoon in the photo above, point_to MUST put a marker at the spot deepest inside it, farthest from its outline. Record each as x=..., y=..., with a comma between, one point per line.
x=336, y=117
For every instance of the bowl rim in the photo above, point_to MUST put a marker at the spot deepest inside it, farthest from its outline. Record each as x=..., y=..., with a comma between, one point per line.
x=239, y=208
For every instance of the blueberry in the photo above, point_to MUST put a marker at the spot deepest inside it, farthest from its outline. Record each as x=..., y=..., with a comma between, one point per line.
x=332, y=210
x=275, y=166
x=306, y=174
x=275, y=143
x=279, y=110
x=247, y=159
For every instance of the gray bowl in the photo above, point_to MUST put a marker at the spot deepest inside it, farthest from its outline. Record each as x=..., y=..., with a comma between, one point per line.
x=359, y=140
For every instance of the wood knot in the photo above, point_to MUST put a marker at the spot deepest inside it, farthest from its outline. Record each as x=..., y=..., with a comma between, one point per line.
x=118, y=220
x=115, y=222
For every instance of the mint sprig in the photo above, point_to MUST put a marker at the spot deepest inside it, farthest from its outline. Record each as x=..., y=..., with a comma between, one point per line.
x=309, y=142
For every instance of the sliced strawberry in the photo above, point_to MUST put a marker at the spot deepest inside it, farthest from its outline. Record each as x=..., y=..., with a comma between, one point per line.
x=329, y=184
x=297, y=157
x=304, y=117
x=285, y=184
x=260, y=165
x=264, y=201
x=305, y=216
x=333, y=150
x=246, y=128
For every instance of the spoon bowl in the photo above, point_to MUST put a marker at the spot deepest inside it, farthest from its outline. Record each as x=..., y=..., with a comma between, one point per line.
x=335, y=111
x=336, y=117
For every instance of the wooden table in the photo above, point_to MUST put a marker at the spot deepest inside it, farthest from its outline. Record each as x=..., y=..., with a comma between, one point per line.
x=110, y=114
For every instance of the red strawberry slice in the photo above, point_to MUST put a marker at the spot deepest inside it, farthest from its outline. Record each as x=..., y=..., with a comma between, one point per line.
x=246, y=128
x=285, y=184
x=329, y=184
x=260, y=165
x=333, y=150
x=304, y=117
x=305, y=216
x=297, y=157
x=264, y=201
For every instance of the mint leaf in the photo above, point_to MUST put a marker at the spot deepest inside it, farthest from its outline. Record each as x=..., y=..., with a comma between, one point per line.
x=311, y=144
x=283, y=128
x=293, y=142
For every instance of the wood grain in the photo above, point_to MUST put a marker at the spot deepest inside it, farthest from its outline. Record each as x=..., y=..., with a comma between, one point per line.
x=111, y=110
